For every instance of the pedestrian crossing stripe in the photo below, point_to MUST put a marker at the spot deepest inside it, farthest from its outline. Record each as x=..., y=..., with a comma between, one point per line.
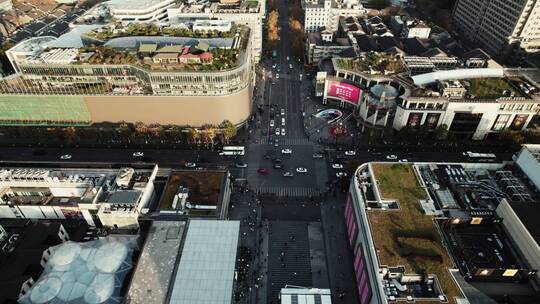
x=289, y=191
x=287, y=141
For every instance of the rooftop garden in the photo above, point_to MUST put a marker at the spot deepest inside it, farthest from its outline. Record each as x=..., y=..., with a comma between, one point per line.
x=204, y=189
x=490, y=88
x=116, y=30
x=407, y=237
x=372, y=63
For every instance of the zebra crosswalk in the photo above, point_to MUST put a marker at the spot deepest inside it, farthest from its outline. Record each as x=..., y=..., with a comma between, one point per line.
x=286, y=141
x=289, y=191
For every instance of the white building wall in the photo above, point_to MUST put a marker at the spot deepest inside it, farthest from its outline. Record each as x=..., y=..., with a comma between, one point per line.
x=525, y=243
x=529, y=165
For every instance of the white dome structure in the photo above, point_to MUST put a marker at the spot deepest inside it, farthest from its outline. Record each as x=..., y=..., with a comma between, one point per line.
x=84, y=273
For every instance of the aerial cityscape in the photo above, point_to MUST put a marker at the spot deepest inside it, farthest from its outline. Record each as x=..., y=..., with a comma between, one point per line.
x=269, y=151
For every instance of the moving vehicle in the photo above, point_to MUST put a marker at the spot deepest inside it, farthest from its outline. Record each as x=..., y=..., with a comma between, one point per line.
x=286, y=151
x=271, y=123
x=138, y=154
x=391, y=157
x=341, y=174
x=282, y=132
x=277, y=76
x=290, y=66
x=317, y=155
x=282, y=111
x=233, y=150
x=278, y=166
x=241, y=165
x=191, y=165
x=480, y=157
x=288, y=58
x=337, y=166
x=288, y=174
x=282, y=121
x=350, y=153
x=65, y=156
x=277, y=131
x=262, y=171
x=404, y=160
x=301, y=170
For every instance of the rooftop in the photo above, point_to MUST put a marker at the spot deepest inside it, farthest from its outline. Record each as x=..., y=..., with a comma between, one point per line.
x=91, y=272
x=490, y=88
x=371, y=64
x=529, y=213
x=207, y=266
x=406, y=236
x=204, y=189
x=154, y=272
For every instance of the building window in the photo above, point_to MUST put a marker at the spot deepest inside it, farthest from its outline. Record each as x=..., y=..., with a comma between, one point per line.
x=500, y=122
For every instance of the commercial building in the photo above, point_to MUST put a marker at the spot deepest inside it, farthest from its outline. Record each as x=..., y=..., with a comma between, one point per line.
x=428, y=231
x=200, y=72
x=186, y=262
x=87, y=272
x=521, y=223
x=196, y=194
x=469, y=102
x=528, y=161
x=26, y=246
x=320, y=14
x=110, y=197
x=499, y=25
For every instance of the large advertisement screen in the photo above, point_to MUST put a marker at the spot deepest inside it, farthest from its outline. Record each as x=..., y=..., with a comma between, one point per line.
x=342, y=90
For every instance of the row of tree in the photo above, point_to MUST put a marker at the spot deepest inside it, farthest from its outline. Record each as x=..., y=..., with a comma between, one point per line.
x=296, y=29
x=123, y=133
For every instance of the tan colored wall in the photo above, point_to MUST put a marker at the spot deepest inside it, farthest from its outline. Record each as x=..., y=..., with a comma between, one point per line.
x=178, y=110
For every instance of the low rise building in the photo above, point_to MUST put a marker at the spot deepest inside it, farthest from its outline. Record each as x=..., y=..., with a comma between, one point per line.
x=324, y=44
x=528, y=161
x=196, y=193
x=186, y=262
x=110, y=197
x=469, y=102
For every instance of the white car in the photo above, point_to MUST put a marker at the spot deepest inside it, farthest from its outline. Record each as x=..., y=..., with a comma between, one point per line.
x=138, y=154
x=277, y=76
x=350, y=153
x=288, y=58
x=282, y=111
x=282, y=132
x=277, y=131
x=403, y=160
x=65, y=156
x=282, y=121
x=271, y=123
x=241, y=165
x=341, y=174
x=337, y=166
x=286, y=151
x=391, y=157
x=288, y=174
x=301, y=170
x=191, y=165
x=290, y=66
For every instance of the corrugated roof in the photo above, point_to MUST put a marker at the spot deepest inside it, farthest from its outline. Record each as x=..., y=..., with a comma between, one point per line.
x=206, y=269
x=170, y=49
x=147, y=47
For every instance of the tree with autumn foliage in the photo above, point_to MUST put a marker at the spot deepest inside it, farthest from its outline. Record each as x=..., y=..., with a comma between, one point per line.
x=297, y=37
x=273, y=29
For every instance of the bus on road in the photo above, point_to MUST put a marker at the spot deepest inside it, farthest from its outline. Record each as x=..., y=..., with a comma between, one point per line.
x=480, y=157
x=233, y=150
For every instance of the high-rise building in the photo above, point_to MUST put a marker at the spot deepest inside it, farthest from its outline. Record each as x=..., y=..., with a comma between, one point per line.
x=500, y=25
x=325, y=13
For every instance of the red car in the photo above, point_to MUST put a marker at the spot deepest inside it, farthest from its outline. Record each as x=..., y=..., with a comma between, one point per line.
x=262, y=171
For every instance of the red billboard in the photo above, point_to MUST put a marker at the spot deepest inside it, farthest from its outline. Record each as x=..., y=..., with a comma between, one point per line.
x=342, y=90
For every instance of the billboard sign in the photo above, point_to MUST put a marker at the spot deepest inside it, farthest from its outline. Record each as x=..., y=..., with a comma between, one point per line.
x=344, y=91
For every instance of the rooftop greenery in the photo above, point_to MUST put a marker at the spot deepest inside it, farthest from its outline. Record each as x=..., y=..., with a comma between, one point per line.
x=372, y=63
x=116, y=30
x=490, y=88
x=407, y=236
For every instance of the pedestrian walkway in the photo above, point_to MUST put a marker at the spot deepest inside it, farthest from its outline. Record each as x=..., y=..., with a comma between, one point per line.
x=289, y=191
